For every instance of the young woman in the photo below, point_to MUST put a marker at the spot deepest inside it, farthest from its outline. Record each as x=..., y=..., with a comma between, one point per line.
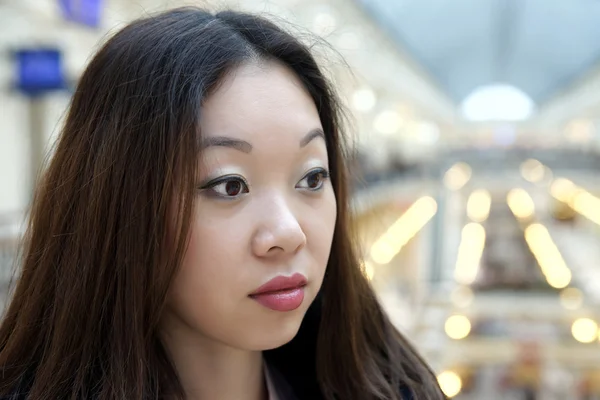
x=189, y=239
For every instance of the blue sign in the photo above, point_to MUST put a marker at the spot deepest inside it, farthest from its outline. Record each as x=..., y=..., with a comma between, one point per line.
x=86, y=12
x=39, y=70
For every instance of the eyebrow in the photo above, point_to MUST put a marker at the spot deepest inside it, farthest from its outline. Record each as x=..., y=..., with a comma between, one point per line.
x=315, y=133
x=245, y=147
x=224, y=141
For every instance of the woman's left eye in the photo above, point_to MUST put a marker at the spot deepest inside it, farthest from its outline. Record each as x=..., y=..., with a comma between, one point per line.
x=313, y=180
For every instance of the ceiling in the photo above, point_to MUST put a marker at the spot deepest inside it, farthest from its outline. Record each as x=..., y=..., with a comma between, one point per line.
x=539, y=46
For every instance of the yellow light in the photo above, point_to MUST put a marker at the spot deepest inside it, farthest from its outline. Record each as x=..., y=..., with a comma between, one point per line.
x=457, y=327
x=450, y=383
x=560, y=279
x=584, y=330
x=478, y=205
x=571, y=298
x=562, y=190
x=364, y=100
x=580, y=131
x=587, y=205
x=405, y=228
x=382, y=252
x=470, y=250
x=533, y=170
x=457, y=176
x=520, y=203
x=577, y=198
x=388, y=122
x=547, y=255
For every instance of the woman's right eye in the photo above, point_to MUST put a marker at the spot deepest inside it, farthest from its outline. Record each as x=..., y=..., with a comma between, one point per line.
x=229, y=188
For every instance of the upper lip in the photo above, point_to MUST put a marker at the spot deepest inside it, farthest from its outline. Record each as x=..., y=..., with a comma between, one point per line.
x=280, y=283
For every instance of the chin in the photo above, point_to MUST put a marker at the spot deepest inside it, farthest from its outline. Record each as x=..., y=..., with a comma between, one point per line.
x=272, y=336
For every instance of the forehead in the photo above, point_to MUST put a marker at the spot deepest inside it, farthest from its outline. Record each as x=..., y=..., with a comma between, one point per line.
x=257, y=101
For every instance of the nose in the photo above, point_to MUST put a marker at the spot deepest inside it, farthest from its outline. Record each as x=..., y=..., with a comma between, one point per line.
x=278, y=230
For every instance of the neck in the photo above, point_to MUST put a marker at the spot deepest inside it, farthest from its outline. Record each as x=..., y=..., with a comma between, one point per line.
x=208, y=369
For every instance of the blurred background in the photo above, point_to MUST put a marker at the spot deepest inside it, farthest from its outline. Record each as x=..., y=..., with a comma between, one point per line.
x=476, y=174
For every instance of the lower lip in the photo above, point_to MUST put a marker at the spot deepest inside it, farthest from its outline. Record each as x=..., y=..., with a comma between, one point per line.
x=284, y=300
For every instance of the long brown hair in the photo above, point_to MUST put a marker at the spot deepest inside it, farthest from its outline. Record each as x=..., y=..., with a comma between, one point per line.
x=97, y=262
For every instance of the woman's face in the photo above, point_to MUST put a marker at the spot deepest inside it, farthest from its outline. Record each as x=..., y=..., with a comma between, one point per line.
x=265, y=214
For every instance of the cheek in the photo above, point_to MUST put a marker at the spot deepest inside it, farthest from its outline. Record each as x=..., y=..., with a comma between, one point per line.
x=213, y=255
x=320, y=230
x=210, y=274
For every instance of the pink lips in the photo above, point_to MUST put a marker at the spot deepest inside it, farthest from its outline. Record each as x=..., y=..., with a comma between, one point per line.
x=281, y=293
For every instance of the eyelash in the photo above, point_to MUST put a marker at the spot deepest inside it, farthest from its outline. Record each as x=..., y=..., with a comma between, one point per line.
x=317, y=171
x=211, y=185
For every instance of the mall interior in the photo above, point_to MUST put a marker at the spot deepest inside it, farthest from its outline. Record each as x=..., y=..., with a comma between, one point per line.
x=475, y=177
